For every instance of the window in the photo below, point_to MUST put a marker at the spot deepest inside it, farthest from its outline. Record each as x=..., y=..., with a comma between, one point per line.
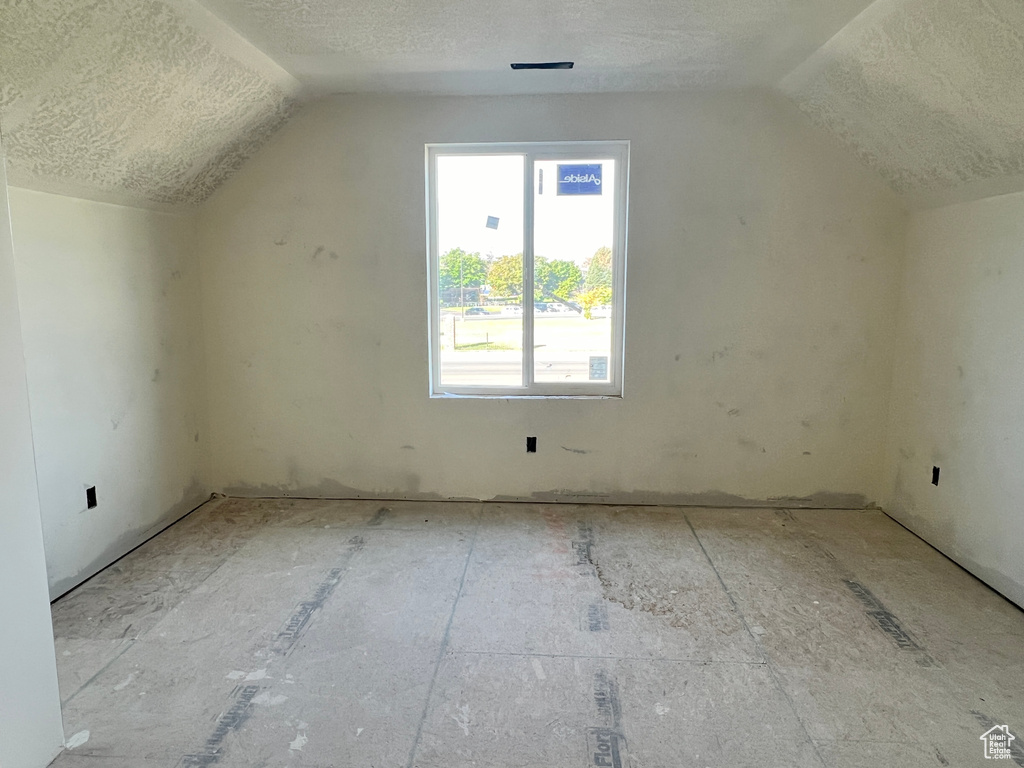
x=527, y=255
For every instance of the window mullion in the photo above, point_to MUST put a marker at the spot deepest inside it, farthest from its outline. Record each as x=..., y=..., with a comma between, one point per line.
x=433, y=274
x=528, y=272
x=618, y=269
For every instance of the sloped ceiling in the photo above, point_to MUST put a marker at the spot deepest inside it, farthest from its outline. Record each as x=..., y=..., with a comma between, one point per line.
x=465, y=46
x=158, y=101
x=138, y=102
x=930, y=93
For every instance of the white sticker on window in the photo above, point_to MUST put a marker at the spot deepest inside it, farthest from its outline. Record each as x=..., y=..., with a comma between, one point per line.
x=599, y=368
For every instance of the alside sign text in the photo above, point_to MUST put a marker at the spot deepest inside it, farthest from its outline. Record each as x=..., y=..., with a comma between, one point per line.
x=579, y=179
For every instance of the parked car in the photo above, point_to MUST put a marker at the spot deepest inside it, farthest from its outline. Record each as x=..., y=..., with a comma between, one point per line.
x=477, y=311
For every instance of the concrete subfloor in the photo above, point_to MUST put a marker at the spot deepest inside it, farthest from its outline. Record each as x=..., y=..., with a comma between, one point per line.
x=397, y=634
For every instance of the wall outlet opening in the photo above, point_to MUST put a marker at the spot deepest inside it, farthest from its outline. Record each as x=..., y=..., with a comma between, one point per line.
x=90, y=497
x=531, y=445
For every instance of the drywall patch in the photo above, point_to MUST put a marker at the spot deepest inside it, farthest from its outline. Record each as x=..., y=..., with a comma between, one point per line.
x=331, y=489
x=925, y=91
x=129, y=102
x=819, y=500
x=379, y=517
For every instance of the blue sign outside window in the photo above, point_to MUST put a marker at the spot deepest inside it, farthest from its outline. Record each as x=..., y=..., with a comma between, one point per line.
x=579, y=179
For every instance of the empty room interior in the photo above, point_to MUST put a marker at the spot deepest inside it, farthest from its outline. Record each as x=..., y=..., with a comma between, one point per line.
x=465, y=384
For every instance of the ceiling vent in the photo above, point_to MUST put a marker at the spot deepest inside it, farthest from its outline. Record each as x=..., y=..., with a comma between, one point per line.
x=542, y=65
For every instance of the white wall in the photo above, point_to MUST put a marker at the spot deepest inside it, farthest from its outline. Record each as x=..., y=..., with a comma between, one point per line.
x=30, y=726
x=111, y=317
x=957, y=389
x=762, y=292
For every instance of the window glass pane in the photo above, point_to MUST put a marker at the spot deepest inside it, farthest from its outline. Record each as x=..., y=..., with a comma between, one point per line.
x=573, y=246
x=480, y=280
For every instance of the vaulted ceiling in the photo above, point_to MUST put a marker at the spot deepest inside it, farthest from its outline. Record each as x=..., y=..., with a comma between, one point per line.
x=158, y=101
x=465, y=46
x=147, y=101
x=930, y=93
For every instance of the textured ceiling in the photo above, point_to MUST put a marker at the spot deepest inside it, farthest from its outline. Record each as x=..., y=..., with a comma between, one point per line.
x=465, y=46
x=158, y=101
x=928, y=92
x=139, y=102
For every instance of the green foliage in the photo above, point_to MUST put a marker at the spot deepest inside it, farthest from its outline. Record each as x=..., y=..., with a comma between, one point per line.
x=473, y=269
x=595, y=297
x=556, y=278
x=505, y=276
x=553, y=279
x=599, y=270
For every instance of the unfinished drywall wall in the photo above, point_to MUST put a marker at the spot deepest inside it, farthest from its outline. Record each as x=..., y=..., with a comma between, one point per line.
x=110, y=310
x=30, y=726
x=762, y=290
x=957, y=388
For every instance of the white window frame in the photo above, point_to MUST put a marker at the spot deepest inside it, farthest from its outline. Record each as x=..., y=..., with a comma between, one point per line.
x=532, y=152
